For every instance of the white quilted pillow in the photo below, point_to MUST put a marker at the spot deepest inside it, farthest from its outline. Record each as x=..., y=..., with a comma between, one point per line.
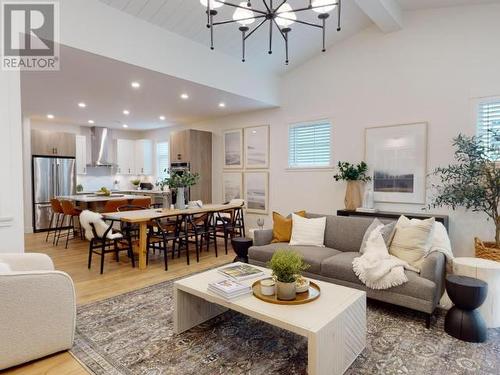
x=4, y=268
x=308, y=232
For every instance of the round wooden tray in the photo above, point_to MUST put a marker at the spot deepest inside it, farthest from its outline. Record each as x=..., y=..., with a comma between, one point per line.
x=301, y=298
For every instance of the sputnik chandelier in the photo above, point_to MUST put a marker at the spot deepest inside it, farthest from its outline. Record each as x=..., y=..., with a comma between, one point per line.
x=279, y=15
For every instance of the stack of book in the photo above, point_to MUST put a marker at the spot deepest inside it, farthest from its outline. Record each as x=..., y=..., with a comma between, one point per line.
x=229, y=289
x=241, y=271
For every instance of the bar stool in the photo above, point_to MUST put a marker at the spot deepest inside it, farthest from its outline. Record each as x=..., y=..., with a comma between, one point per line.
x=69, y=210
x=57, y=214
x=113, y=205
x=141, y=202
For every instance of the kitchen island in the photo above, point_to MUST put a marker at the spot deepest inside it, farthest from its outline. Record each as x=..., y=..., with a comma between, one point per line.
x=96, y=202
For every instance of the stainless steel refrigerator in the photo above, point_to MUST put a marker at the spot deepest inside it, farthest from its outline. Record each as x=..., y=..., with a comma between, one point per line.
x=52, y=177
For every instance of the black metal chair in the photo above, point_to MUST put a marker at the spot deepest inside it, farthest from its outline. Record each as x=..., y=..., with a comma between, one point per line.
x=229, y=224
x=159, y=235
x=104, y=245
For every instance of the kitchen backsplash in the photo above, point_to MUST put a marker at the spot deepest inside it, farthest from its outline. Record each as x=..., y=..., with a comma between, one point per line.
x=99, y=177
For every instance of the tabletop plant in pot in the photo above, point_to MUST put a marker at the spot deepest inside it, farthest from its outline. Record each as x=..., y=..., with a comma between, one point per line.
x=355, y=176
x=287, y=266
x=179, y=182
x=473, y=182
x=136, y=182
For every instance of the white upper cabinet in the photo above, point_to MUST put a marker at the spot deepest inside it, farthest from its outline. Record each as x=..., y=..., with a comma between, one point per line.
x=125, y=156
x=81, y=154
x=144, y=157
x=134, y=157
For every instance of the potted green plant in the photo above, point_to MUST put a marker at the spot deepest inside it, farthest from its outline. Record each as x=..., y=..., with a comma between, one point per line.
x=356, y=176
x=287, y=266
x=179, y=182
x=473, y=182
x=79, y=188
x=136, y=182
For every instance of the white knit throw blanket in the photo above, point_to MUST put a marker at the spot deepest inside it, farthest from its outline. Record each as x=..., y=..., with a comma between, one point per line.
x=376, y=268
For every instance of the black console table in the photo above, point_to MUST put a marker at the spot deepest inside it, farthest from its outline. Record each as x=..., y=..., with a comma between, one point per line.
x=394, y=215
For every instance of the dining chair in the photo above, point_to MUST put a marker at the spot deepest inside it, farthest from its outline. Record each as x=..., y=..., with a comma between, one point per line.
x=160, y=233
x=71, y=212
x=230, y=223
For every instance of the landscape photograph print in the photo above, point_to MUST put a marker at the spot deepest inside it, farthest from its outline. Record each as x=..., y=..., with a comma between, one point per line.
x=397, y=156
x=256, y=192
x=233, y=148
x=232, y=186
x=257, y=147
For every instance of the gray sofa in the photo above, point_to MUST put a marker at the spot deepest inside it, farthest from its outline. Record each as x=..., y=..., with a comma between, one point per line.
x=333, y=263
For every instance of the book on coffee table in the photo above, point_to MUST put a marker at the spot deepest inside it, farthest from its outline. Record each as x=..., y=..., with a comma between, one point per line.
x=229, y=289
x=241, y=272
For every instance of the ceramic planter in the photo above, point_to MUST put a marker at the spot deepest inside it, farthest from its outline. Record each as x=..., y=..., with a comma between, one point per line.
x=353, y=195
x=285, y=291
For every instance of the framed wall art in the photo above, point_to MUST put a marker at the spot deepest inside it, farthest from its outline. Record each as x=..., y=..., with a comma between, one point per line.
x=232, y=186
x=257, y=192
x=233, y=149
x=257, y=147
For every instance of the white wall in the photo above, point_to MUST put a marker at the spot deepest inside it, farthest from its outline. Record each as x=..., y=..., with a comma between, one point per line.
x=11, y=188
x=429, y=71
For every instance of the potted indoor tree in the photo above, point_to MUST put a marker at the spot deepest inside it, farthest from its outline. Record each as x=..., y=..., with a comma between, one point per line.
x=356, y=176
x=473, y=182
x=179, y=182
x=287, y=266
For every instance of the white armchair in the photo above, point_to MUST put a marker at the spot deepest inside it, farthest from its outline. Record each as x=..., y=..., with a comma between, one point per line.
x=37, y=309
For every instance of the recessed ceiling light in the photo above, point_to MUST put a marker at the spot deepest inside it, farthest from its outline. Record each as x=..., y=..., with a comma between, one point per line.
x=126, y=112
x=254, y=131
x=184, y=96
x=135, y=85
x=91, y=121
x=222, y=105
x=162, y=118
x=50, y=116
x=82, y=105
x=125, y=125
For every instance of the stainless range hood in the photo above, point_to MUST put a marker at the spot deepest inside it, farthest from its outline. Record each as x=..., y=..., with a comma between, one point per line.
x=101, y=147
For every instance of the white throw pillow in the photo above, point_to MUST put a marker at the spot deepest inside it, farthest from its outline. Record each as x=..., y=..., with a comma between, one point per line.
x=4, y=268
x=308, y=232
x=412, y=240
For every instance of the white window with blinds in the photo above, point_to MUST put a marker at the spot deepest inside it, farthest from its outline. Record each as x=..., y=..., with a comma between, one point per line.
x=162, y=160
x=488, y=122
x=310, y=145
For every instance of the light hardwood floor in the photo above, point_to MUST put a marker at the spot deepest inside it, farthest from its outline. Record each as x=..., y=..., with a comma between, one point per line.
x=118, y=278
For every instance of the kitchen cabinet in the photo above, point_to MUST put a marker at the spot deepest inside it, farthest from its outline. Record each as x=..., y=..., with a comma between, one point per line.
x=81, y=154
x=195, y=148
x=144, y=157
x=134, y=157
x=47, y=143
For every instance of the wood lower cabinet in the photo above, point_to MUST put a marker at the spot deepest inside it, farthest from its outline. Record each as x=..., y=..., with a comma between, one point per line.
x=195, y=147
x=47, y=143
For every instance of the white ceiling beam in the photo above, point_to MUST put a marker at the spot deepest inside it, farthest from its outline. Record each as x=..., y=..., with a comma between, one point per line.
x=386, y=14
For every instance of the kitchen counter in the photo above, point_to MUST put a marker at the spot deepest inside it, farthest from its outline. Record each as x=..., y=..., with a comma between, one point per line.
x=91, y=198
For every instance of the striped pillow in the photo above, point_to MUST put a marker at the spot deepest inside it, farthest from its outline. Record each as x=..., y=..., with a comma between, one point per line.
x=412, y=240
x=308, y=232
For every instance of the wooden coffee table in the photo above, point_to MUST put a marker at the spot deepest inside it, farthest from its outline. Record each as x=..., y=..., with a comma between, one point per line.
x=334, y=324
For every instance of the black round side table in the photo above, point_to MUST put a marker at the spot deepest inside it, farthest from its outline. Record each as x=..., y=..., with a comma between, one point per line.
x=241, y=246
x=463, y=321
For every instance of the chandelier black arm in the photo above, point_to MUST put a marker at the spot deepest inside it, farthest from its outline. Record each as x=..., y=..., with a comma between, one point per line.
x=302, y=22
x=237, y=6
x=281, y=32
x=267, y=6
x=256, y=27
x=241, y=19
x=311, y=8
x=279, y=6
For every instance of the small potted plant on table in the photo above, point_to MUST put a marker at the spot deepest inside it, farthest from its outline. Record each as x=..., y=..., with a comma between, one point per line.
x=356, y=176
x=136, y=182
x=287, y=266
x=179, y=182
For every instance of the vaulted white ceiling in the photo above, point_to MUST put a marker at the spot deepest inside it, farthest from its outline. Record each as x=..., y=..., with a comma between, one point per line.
x=187, y=18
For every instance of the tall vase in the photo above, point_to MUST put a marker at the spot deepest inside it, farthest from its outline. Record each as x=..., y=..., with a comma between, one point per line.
x=353, y=195
x=180, y=202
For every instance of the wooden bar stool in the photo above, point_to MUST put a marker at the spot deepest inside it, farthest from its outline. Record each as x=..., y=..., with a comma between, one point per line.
x=57, y=214
x=141, y=202
x=113, y=205
x=70, y=211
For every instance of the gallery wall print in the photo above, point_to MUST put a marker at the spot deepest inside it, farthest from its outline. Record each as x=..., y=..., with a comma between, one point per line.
x=232, y=186
x=397, y=158
x=257, y=192
x=233, y=149
x=257, y=147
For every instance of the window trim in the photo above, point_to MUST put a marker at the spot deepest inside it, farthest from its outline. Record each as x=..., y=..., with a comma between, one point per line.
x=327, y=168
x=477, y=102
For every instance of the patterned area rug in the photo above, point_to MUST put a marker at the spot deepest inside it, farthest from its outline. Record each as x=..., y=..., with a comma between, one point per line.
x=133, y=334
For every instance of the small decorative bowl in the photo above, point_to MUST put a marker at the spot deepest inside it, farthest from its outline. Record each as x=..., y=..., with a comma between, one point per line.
x=267, y=287
x=301, y=285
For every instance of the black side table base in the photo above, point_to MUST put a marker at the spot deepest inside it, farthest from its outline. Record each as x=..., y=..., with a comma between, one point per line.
x=466, y=325
x=240, y=259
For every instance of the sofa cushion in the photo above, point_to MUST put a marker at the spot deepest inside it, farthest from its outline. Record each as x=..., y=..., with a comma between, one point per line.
x=312, y=255
x=340, y=267
x=346, y=233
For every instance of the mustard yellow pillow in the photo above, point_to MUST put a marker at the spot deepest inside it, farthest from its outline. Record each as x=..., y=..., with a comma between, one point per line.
x=282, y=226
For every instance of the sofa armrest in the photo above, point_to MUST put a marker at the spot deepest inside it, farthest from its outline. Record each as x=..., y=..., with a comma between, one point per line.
x=262, y=237
x=28, y=262
x=38, y=313
x=434, y=269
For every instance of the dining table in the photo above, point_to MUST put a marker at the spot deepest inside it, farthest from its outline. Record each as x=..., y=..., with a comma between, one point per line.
x=143, y=217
